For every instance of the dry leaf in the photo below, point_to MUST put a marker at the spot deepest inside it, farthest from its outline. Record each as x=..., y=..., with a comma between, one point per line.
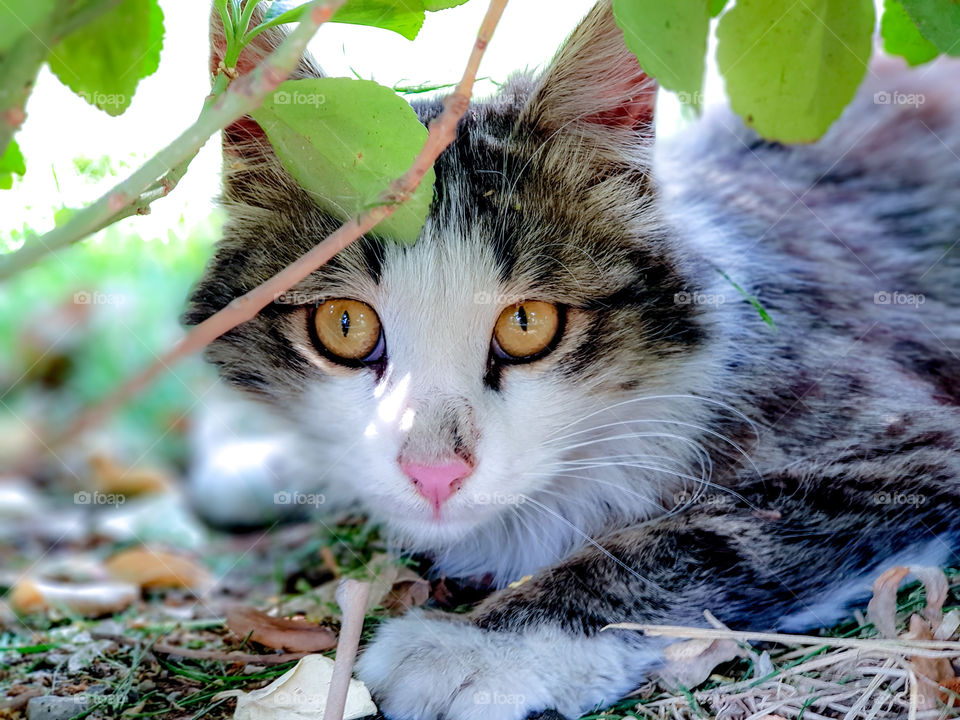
x=89, y=599
x=392, y=587
x=948, y=626
x=112, y=478
x=158, y=569
x=279, y=633
x=931, y=673
x=882, y=608
x=409, y=590
x=689, y=663
x=936, y=587
x=300, y=694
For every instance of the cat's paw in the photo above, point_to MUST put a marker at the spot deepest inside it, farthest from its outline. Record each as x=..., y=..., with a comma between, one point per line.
x=427, y=667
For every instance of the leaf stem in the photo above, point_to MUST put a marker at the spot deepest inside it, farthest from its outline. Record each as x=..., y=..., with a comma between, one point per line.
x=242, y=96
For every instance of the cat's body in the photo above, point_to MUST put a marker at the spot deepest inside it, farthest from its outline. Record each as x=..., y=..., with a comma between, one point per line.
x=673, y=452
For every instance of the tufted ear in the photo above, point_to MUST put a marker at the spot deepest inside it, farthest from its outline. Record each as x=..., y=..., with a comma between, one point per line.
x=594, y=84
x=244, y=138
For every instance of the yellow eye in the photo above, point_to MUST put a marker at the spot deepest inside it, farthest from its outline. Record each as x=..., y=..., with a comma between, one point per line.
x=525, y=330
x=348, y=330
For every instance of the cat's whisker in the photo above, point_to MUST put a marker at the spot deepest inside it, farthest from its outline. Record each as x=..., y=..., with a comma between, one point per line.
x=669, y=396
x=678, y=423
x=628, y=460
x=700, y=483
x=594, y=543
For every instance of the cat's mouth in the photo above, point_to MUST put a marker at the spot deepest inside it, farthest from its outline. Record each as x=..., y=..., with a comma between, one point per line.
x=428, y=523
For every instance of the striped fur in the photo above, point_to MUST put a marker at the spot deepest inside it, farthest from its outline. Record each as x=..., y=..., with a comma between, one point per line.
x=673, y=453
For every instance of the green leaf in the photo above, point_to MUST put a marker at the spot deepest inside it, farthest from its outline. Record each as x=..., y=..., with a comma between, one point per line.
x=790, y=72
x=344, y=141
x=715, y=7
x=11, y=163
x=103, y=61
x=938, y=21
x=902, y=37
x=404, y=17
x=434, y=5
x=669, y=39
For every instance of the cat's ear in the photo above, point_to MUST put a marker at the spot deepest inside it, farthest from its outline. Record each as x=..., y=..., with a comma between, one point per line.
x=594, y=84
x=244, y=138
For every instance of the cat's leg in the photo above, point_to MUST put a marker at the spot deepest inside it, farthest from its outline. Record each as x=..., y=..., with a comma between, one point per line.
x=796, y=555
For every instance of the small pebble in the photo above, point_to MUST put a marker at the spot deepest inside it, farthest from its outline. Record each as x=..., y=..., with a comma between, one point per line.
x=55, y=707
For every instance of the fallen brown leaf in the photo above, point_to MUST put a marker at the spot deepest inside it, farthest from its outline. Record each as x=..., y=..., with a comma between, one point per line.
x=110, y=477
x=151, y=569
x=409, y=590
x=279, y=633
x=932, y=673
x=689, y=663
x=882, y=608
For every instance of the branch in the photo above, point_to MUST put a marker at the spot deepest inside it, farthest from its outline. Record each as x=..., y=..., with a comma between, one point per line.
x=352, y=598
x=441, y=133
x=223, y=107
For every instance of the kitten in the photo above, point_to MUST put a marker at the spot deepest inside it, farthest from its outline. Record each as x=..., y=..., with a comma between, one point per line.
x=558, y=381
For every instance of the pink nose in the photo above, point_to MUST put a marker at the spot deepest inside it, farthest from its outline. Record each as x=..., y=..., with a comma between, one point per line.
x=437, y=482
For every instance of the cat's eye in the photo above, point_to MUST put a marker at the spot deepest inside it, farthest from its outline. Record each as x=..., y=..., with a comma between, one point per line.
x=348, y=331
x=526, y=330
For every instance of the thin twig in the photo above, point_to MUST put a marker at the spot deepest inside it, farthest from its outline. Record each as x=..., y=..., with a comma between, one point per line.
x=241, y=97
x=442, y=132
x=228, y=656
x=921, y=648
x=352, y=598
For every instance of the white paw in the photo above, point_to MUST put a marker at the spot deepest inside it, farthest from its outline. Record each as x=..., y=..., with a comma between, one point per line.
x=428, y=667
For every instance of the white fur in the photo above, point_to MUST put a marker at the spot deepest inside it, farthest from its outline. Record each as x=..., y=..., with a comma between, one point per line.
x=523, y=507
x=423, y=667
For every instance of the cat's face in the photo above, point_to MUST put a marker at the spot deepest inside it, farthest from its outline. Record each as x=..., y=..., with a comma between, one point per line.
x=444, y=385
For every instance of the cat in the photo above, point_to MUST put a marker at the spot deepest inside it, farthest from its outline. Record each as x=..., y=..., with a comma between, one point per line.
x=560, y=379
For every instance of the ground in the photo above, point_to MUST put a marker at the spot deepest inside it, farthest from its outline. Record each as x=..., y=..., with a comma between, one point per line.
x=170, y=652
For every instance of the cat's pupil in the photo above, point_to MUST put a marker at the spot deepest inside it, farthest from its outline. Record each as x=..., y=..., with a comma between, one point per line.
x=522, y=318
x=345, y=323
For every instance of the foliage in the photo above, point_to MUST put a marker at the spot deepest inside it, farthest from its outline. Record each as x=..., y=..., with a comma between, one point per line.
x=344, y=140
x=104, y=66
x=790, y=69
